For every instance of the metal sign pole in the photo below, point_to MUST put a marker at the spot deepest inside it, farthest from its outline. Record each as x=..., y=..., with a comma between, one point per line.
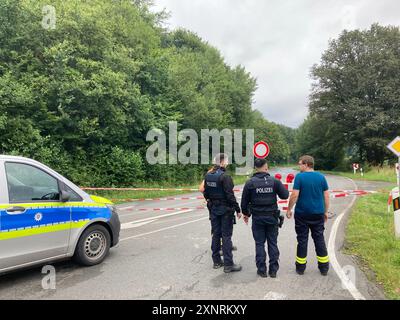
x=396, y=207
x=394, y=146
x=398, y=176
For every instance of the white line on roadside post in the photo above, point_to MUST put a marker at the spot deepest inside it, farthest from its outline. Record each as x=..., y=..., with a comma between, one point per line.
x=396, y=211
x=346, y=281
x=394, y=146
x=395, y=199
x=397, y=170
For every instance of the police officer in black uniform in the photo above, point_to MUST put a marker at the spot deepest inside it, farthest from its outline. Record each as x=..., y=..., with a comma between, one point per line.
x=259, y=200
x=222, y=204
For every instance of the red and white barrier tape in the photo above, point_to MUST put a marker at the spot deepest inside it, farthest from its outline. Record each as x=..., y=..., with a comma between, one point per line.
x=348, y=193
x=172, y=199
x=288, y=186
x=160, y=199
x=176, y=209
x=280, y=202
x=140, y=189
x=353, y=192
x=164, y=209
x=158, y=189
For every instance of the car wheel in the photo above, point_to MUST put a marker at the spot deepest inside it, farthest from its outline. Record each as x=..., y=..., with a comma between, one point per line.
x=93, y=246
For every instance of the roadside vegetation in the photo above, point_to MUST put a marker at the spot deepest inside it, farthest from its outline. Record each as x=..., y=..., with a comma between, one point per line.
x=354, y=101
x=370, y=237
x=385, y=174
x=82, y=97
x=120, y=196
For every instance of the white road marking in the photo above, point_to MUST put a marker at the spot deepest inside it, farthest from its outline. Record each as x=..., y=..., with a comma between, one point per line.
x=134, y=206
x=161, y=216
x=350, y=286
x=134, y=224
x=135, y=213
x=163, y=229
x=181, y=218
x=274, y=296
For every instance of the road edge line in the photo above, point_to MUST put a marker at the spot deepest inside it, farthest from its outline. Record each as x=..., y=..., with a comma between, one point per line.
x=350, y=286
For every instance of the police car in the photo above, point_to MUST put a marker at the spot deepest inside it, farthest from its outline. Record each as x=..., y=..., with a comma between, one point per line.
x=45, y=217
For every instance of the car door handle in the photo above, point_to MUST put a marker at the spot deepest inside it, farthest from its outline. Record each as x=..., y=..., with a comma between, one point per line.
x=16, y=210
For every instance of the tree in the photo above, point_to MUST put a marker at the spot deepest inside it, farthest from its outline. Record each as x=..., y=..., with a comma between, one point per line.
x=289, y=135
x=319, y=138
x=357, y=89
x=271, y=133
x=82, y=97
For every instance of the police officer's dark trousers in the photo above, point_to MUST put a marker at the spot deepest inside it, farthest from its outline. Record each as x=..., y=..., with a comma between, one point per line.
x=222, y=219
x=265, y=231
x=303, y=225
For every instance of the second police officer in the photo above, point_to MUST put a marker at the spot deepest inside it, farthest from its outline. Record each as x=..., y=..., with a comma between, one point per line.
x=221, y=201
x=259, y=200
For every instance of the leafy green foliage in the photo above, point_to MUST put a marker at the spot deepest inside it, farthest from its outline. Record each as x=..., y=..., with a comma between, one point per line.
x=356, y=93
x=271, y=133
x=370, y=237
x=319, y=138
x=81, y=97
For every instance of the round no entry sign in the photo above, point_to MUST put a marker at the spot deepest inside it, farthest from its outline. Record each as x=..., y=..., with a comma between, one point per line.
x=261, y=150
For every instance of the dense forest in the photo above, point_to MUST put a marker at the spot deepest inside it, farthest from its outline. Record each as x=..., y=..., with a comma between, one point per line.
x=82, y=95
x=355, y=100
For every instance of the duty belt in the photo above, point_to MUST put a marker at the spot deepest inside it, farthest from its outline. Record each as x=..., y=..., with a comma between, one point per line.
x=265, y=213
x=218, y=202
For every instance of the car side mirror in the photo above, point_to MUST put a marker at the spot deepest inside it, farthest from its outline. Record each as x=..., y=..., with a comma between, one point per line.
x=65, y=196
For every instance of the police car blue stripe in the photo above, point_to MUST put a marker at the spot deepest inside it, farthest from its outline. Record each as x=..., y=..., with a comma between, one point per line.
x=49, y=216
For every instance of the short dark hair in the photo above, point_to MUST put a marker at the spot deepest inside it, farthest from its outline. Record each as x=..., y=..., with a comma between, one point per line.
x=258, y=163
x=219, y=158
x=307, y=160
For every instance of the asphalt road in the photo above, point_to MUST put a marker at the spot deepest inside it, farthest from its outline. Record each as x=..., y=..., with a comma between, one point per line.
x=166, y=255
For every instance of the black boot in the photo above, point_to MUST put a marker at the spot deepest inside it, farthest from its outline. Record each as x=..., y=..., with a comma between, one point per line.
x=232, y=268
x=262, y=274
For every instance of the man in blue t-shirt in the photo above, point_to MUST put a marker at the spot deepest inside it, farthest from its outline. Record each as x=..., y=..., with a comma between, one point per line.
x=311, y=196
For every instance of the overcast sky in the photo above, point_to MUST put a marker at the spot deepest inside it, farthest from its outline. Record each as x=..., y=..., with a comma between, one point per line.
x=278, y=41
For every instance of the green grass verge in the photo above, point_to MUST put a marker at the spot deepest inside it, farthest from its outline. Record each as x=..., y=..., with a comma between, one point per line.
x=119, y=197
x=385, y=174
x=370, y=237
x=285, y=165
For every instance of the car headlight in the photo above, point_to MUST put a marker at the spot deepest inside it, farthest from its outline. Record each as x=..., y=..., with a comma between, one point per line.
x=111, y=207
